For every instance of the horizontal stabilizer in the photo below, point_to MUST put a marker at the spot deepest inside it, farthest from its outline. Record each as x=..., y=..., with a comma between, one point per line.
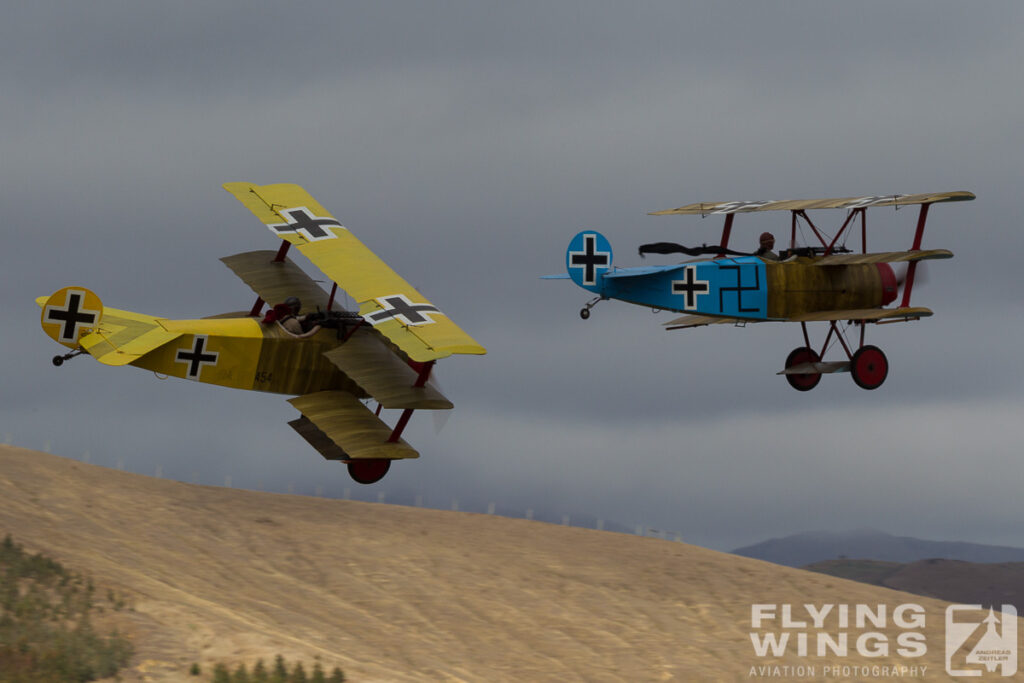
x=371, y=364
x=345, y=421
x=884, y=257
x=274, y=281
x=909, y=313
x=100, y=346
x=119, y=337
x=821, y=367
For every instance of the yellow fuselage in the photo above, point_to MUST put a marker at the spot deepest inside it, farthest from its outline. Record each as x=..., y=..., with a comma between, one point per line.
x=243, y=353
x=799, y=287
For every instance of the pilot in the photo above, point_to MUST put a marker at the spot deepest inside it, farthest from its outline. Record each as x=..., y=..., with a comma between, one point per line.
x=765, y=250
x=295, y=324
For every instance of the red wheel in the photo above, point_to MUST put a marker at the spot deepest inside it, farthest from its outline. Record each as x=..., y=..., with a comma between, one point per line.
x=803, y=382
x=368, y=471
x=869, y=367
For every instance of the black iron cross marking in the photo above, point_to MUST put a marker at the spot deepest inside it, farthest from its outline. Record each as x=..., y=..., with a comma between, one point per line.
x=196, y=358
x=71, y=316
x=302, y=221
x=401, y=308
x=690, y=287
x=589, y=259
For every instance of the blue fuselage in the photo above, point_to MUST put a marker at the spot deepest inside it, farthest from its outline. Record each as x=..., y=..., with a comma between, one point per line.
x=734, y=287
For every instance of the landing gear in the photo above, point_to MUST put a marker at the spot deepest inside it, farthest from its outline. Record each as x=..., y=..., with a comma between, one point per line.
x=585, y=311
x=368, y=471
x=869, y=367
x=804, y=381
x=59, y=360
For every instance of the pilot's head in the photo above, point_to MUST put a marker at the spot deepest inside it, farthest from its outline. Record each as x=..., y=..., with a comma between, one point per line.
x=767, y=240
x=293, y=303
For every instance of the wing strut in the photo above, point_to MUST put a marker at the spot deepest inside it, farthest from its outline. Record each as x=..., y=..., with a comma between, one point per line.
x=257, y=307
x=726, y=231
x=908, y=285
x=421, y=380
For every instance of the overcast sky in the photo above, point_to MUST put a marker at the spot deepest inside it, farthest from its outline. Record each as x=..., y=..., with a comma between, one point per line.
x=466, y=143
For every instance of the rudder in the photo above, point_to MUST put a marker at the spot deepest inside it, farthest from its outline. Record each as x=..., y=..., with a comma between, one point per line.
x=587, y=259
x=69, y=314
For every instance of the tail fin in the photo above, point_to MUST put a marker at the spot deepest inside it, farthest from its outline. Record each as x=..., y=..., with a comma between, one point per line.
x=76, y=318
x=69, y=314
x=588, y=258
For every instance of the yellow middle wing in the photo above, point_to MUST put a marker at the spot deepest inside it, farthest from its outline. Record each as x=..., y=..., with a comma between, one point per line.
x=386, y=300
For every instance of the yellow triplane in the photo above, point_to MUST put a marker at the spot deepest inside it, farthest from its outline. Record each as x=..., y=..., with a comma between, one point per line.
x=330, y=359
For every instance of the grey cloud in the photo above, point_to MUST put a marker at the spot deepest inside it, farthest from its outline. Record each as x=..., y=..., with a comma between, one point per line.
x=465, y=144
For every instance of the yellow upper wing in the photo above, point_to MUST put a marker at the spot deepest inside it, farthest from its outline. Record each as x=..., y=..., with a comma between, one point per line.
x=386, y=300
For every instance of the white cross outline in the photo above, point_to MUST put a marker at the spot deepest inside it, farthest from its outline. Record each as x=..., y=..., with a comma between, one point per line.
x=590, y=239
x=861, y=202
x=386, y=306
x=690, y=281
x=67, y=307
x=201, y=362
x=738, y=207
x=282, y=228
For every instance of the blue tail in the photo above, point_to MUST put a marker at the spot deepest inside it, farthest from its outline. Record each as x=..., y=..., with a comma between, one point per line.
x=587, y=259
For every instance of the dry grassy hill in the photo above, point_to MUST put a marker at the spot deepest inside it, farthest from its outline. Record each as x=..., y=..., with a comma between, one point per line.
x=395, y=593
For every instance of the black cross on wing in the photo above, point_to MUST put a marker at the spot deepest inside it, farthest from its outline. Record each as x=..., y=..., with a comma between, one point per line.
x=399, y=307
x=690, y=287
x=304, y=222
x=196, y=357
x=71, y=316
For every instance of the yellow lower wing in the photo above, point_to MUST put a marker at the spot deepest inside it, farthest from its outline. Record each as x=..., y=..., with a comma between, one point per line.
x=910, y=313
x=386, y=300
x=884, y=257
x=345, y=429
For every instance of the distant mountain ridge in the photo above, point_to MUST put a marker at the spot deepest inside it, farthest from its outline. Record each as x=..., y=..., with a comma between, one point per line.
x=806, y=548
x=988, y=584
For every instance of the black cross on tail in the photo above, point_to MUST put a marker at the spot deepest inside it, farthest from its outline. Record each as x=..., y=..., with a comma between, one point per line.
x=400, y=308
x=72, y=317
x=589, y=259
x=197, y=357
x=301, y=221
x=690, y=287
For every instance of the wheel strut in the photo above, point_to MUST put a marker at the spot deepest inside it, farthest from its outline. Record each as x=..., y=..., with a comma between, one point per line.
x=59, y=360
x=585, y=311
